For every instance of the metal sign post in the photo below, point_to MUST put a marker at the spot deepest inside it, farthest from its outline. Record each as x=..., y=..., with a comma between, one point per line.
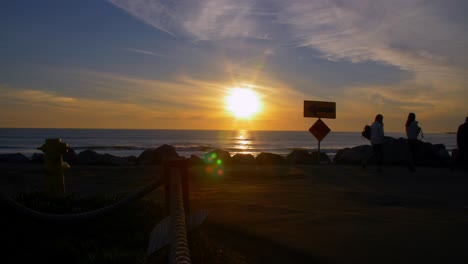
x=321, y=110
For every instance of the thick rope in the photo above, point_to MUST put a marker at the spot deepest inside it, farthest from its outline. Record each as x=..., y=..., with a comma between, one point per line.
x=86, y=215
x=179, y=252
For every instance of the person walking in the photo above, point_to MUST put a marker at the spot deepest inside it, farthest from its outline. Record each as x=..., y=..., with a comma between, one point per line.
x=377, y=140
x=412, y=132
x=462, y=144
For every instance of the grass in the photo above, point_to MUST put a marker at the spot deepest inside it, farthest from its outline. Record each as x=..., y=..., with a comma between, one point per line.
x=120, y=236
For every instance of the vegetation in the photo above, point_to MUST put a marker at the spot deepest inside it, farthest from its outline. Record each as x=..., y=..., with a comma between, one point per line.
x=120, y=236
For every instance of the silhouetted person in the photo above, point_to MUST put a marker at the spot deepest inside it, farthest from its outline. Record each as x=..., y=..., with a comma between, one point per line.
x=462, y=143
x=412, y=132
x=377, y=140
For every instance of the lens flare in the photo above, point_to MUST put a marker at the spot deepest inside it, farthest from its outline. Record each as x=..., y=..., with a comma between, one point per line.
x=213, y=165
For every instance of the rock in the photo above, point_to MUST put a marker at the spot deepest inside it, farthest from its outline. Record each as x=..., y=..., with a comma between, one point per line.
x=243, y=159
x=196, y=161
x=131, y=159
x=396, y=152
x=432, y=154
x=323, y=157
x=37, y=158
x=454, y=153
x=157, y=155
x=218, y=154
x=300, y=156
x=70, y=156
x=90, y=157
x=265, y=158
x=353, y=155
x=14, y=158
x=112, y=160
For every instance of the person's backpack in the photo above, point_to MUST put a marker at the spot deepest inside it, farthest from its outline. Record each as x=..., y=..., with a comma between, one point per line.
x=366, y=132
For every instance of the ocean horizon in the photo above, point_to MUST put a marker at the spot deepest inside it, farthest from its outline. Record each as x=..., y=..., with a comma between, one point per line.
x=132, y=142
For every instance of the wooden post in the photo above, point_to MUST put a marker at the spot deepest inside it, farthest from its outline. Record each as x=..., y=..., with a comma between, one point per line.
x=318, y=152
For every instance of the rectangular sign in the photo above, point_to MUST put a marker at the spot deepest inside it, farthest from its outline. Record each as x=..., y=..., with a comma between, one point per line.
x=320, y=109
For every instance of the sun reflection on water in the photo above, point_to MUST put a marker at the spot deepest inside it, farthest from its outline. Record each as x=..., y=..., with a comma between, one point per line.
x=243, y=143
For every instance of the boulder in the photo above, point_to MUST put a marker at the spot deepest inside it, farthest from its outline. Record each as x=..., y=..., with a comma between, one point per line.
x=243, y=159
x=195, y=161
x=158, y=155
x=323, y=157
x=14, y=158
x=70, y=156
x=37, y=158
x=265, y=158
x=131, y=159
x=90, y=157
x=353, y=155
x=432, y=154
x=300, y=156
x=218, y=154
x=396, y=152
x=454, y=153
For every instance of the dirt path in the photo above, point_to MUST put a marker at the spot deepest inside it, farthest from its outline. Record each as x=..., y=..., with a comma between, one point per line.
x=339, y=214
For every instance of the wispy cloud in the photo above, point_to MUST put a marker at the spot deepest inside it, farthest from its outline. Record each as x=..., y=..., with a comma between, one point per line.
x=146, y=52
x=410, y=34
x=203, y=20
x=407, y=34
x=33, y=97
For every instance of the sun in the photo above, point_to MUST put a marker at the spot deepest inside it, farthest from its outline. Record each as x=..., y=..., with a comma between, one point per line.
x=242, y=102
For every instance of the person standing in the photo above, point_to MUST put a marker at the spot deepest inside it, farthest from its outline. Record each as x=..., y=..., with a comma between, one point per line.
x=377, y=140
x=462, y=143
x=412, y=132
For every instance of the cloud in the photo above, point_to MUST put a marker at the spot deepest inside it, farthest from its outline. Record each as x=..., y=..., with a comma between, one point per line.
x=410, y=34
x=154, y=13
x=146, y=52
x=406, y=34
x=202, y=20
x=33, y=97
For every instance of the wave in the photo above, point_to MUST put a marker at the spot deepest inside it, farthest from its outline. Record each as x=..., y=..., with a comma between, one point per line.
x=117, y=147
x=12, y=147
x=142, y=148
x=194, y=148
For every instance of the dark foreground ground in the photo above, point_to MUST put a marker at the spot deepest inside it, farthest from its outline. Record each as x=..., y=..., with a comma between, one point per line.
x=301, y=214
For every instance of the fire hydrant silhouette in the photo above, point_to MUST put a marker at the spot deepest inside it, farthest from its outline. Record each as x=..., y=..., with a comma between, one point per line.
x=54, y=166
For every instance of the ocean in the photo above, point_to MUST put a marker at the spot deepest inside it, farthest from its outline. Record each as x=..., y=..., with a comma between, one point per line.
x=132, y=142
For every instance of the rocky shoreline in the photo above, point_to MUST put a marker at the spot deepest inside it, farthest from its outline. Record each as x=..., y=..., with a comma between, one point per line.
x=395, y=153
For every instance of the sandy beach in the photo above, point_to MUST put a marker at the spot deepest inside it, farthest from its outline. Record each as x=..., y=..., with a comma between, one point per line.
x=303, y=214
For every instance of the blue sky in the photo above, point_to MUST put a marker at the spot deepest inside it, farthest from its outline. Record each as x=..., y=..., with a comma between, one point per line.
x=170, y=64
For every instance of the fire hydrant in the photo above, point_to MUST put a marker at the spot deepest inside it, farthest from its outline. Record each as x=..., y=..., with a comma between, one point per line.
x=54, y=166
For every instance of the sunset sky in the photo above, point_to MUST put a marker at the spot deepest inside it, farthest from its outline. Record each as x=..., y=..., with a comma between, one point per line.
x=171, y=64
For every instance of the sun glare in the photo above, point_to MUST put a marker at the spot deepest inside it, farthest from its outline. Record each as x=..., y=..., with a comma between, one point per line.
x=242, y=102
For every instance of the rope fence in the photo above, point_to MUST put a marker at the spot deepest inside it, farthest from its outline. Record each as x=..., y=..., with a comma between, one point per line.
x=179, y=251
x=175, y=180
